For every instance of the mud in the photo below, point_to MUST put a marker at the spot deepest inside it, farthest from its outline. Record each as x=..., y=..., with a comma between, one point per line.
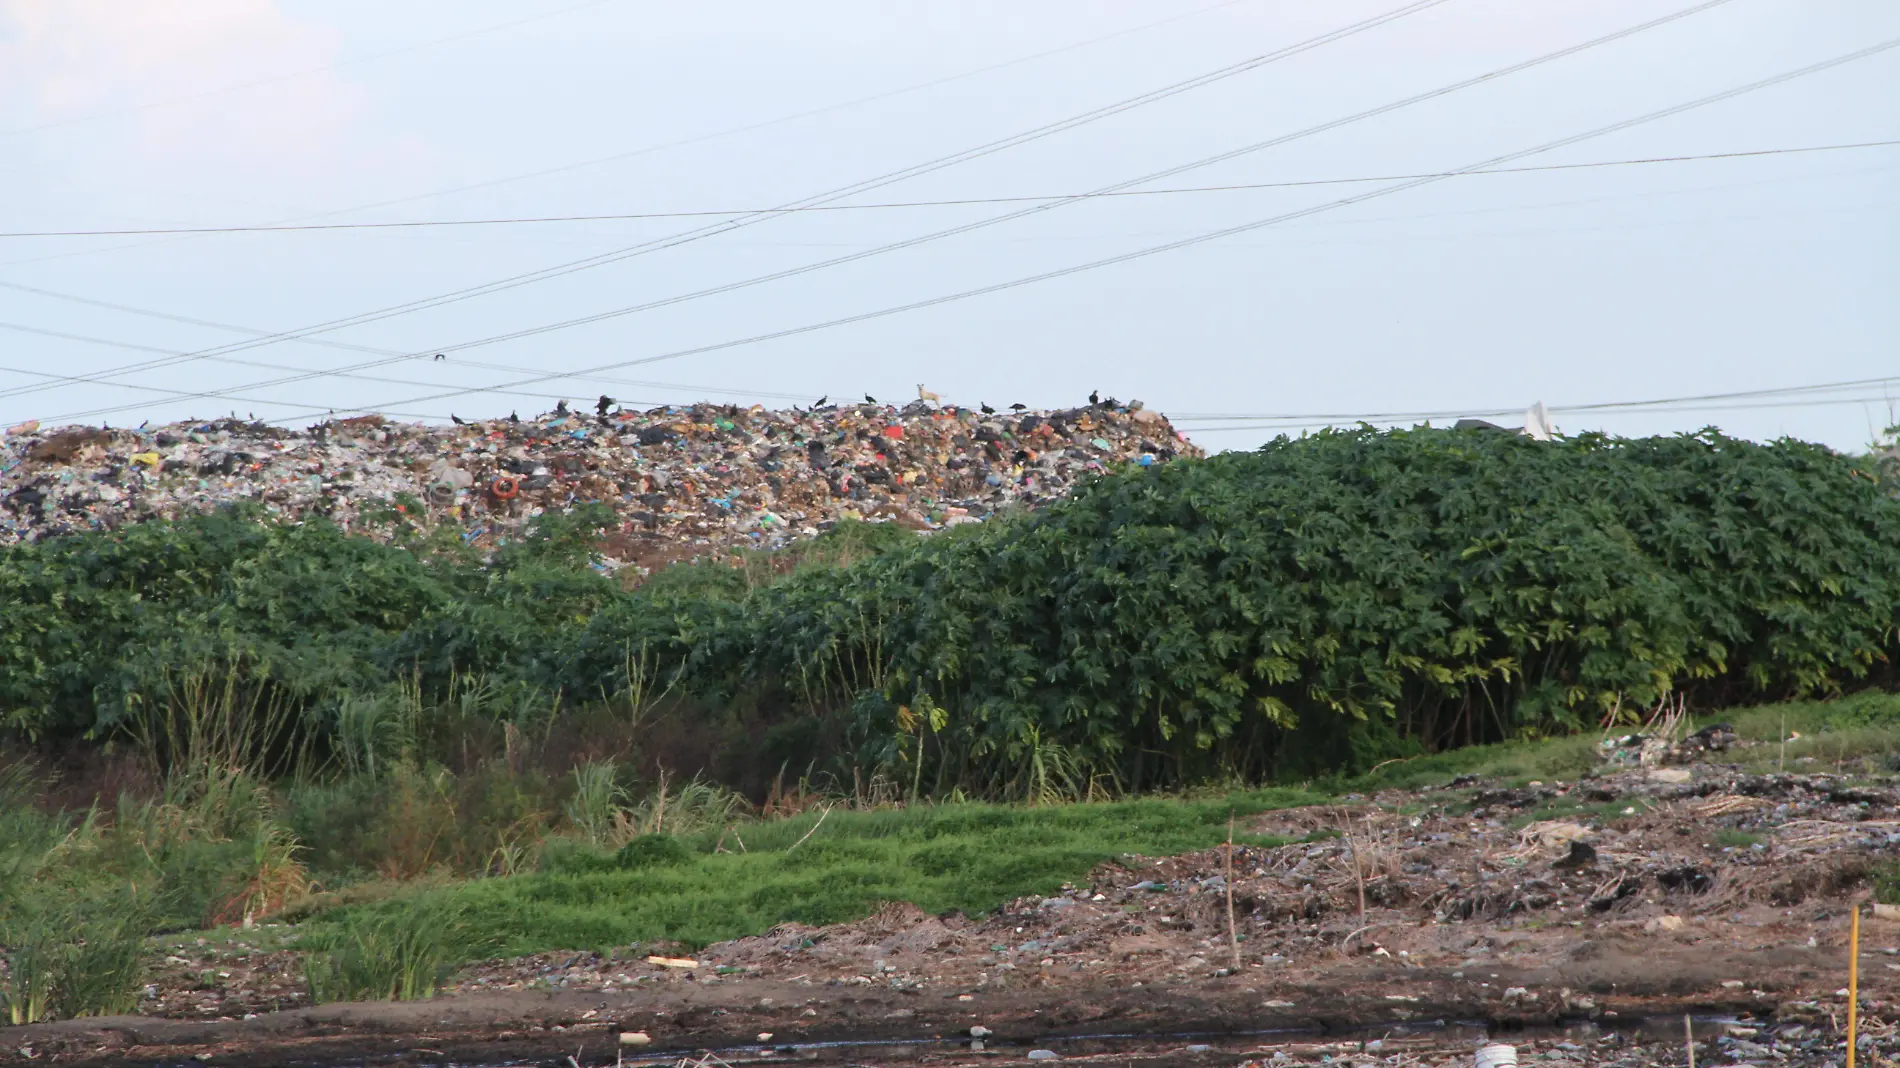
x=1574, y=916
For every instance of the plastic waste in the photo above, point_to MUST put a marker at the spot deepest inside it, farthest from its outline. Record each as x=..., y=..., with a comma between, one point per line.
x=681, y=480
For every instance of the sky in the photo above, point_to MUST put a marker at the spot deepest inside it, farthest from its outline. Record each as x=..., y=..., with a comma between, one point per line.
x=1358, y=292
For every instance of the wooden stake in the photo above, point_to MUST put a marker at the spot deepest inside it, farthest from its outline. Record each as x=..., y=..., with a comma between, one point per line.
x=1688, y=1039
x=1358, y=871
x=1853, y=985
x=1233, y=936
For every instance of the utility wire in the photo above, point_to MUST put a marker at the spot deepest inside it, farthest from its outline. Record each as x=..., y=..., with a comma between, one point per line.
x=687, y=237
x=967, y=201
x=87, y=339
x=702, y=138
x=328, y=343
x=1036, y=209
x=1295, y=424
x=1452, y=413
x=1727, y=94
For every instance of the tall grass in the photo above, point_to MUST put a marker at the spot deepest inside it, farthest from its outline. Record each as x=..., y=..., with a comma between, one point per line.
x=598, y=804
x=32, y=966
x=403, y=953
x=75, y=958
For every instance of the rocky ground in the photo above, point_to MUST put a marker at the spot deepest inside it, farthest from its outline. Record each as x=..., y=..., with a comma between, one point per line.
x=1579, y=921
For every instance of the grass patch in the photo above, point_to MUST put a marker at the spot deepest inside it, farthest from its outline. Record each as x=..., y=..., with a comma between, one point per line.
x=1576, y=812
x=969, y=857
x=1860, y=726
x=1515, y=763
x=1886, y=884
x=1729, y=838
x=400, y=954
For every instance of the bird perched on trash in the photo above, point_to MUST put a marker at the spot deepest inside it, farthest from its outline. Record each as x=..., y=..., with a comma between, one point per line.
x=925, y=395
x=457, y=420
x=1095, y=396
x=560, y=407
x=605, y=402
x=986, y=409
x=868, y=399
x=1018, y=407
x=513, y=418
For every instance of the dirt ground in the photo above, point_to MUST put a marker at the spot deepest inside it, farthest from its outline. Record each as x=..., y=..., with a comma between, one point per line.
x=1579, y=921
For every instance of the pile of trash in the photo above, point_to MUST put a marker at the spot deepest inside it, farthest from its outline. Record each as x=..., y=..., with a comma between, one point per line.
x=681, y=480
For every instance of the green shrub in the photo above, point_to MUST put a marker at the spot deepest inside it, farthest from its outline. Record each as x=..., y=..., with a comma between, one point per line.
x=1320, y=606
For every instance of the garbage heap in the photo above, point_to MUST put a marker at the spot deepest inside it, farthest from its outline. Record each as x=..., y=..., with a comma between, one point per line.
x=681, y=480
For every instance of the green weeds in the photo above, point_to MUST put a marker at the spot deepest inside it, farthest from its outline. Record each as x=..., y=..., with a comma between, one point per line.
x=74, y=958
x=708, y=886
x=399, y=954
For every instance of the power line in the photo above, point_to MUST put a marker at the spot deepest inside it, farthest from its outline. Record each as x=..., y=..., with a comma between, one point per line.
x=87, y=339
x=701, y=233
x=1295, y=424
x=963, y=202
x=325, y=342
x=1453, y=413
x=1025, y=212
x=1548, y=146
x=703, y=138
x=810, y=113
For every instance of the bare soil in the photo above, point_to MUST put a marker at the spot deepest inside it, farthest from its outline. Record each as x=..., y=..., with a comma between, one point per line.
x=1578, y=917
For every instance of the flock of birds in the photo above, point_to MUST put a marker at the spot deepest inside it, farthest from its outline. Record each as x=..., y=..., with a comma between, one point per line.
x=605, y=402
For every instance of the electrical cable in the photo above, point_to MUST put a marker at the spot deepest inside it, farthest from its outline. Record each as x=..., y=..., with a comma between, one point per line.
x=1024, y=212
x=701, y=233
x=1294, y=424
x=325, y=342
x=964, y=202
x=702, y=138
x=1677, y=109
x=87, y=339
x=1778, y=391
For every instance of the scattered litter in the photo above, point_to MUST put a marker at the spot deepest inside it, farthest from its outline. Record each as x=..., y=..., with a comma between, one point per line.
x=634, y=1038
x=673, y=962
x=682, y=480
x=1496, y=1056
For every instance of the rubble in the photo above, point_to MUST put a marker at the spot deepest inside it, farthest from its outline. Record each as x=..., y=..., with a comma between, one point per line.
x=682, y=479
x=1731, y=891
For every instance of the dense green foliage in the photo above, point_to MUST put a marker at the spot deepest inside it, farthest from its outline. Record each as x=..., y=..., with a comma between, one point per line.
x=1320, y=604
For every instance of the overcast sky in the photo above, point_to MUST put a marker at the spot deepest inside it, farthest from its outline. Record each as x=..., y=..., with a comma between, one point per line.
x=1577, y=286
